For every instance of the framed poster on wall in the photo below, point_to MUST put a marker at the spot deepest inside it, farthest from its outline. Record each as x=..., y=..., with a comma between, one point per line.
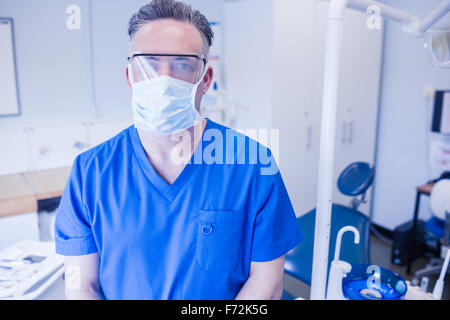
x=441, y=112
x=9, y=93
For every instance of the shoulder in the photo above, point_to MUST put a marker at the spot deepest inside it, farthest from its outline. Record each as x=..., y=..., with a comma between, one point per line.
x=225, y=130
x=239, y=144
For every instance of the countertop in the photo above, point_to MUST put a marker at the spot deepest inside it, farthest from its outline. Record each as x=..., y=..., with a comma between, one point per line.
x=19, y=193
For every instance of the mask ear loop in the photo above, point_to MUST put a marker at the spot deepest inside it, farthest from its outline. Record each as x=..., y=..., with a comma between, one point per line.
x=195, y=88
x=130, y=74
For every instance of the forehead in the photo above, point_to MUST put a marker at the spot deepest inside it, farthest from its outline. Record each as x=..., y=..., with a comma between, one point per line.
x=168, y=36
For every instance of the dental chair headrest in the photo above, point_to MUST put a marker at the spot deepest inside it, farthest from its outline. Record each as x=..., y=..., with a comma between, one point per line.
x=440, y=198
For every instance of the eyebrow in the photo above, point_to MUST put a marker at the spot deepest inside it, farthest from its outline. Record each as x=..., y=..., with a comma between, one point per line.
x=168, y=55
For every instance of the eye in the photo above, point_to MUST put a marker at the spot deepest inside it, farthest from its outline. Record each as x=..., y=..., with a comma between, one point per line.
x=154, y=62
x=183, y=67
x=155, y=65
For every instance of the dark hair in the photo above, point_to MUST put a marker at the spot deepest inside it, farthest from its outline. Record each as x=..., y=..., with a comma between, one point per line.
x=171, y=9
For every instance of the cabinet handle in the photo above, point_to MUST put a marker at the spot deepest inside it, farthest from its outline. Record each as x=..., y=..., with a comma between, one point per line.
x=344, y=132
x=350, y=130
x=43, y=150
x=79, y=145
x=308, y=137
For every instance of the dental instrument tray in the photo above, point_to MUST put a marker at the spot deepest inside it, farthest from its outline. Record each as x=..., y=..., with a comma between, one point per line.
x=28, y=268
x=373, y=282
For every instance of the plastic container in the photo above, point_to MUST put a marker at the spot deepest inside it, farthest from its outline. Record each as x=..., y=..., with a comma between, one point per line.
x=373, y=282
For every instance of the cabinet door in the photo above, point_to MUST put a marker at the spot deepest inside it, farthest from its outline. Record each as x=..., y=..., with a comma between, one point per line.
x=104, y=130
x=18, y=227
x=54, y=147
x=360, y=80
x=293, y=109
x=15, y=152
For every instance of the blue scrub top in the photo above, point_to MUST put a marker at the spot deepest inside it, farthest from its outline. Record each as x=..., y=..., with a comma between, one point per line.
x=193, y=239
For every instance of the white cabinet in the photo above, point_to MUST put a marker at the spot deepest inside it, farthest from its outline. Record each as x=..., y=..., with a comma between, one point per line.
x=103, y=130
x=42, y=146
x=18, y=227
x=274, y=63
x=15, y=152
x=57, y=146
x=293, y=110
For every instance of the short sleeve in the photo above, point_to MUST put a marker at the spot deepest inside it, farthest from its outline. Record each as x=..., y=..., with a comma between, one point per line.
x=73, y=234
x=276, y=230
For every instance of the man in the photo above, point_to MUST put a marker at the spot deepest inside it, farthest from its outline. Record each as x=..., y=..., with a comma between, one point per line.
x=137, y=220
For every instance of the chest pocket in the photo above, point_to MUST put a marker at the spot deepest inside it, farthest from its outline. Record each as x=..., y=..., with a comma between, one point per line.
x=220, y=239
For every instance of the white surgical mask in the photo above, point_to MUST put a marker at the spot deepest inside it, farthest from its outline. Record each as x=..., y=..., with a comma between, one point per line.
x=165, y=105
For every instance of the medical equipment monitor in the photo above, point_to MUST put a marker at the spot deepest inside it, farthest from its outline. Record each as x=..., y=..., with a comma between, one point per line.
x=441, y=112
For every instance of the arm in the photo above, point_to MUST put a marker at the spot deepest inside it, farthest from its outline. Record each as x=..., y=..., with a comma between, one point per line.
x=265, y=281
x=81, y=282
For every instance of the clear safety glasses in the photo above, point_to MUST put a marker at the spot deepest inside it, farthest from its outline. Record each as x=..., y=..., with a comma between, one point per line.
x=184, y=67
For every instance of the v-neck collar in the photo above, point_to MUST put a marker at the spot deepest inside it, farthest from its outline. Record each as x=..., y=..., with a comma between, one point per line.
x=170, y=191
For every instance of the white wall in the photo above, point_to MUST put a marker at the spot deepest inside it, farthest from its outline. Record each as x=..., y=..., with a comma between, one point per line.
x=66, y=73
x=52, y=76
x=248, y=61
x=72, y=83
x=402, y=159
x=274, y=56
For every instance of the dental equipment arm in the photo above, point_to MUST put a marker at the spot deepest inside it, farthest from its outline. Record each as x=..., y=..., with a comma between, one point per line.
x=385, y=10
x=333, y=53
x=433, y=17
x=412, y=24
x=81, y=282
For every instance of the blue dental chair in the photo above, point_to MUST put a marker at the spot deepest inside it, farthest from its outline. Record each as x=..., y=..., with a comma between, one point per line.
x=353, y=181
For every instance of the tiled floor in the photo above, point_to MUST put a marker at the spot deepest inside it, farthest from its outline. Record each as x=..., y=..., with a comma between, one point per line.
x=380, y=255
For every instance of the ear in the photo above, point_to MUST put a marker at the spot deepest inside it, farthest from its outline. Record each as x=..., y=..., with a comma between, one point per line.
x=208, y=79
x=127, y=75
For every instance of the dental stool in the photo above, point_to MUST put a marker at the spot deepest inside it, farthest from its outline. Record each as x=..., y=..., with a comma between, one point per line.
x=354, y=182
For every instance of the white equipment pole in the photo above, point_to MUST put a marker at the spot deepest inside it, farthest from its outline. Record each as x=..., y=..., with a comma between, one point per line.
x=327, y=139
